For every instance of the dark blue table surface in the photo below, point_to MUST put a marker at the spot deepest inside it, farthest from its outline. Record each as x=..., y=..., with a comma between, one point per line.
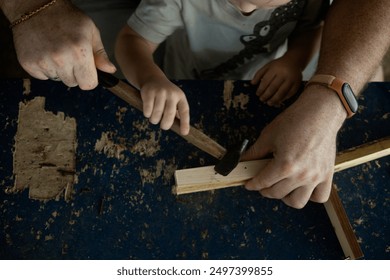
x=124, y=209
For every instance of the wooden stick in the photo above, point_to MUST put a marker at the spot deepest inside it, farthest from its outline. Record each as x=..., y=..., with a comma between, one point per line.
x=342, y=227
x=333, y=206
x=362, y=154
x=195, y=136
x=205, y=178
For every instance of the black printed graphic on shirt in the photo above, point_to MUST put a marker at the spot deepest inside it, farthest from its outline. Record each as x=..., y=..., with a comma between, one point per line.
x=264, y=39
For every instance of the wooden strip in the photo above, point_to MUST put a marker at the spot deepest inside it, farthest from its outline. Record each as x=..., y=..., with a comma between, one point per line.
x=342, y=227
x=333, y=206
x=195, y=136
x=205, y=178
x=362, y=154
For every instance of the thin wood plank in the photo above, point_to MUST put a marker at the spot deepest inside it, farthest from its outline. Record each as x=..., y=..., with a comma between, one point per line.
x=342, y=227
x=205, y=178
x=362, y=154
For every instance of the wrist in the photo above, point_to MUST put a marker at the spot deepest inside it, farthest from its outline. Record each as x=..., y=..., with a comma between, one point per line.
x=296, y=58
x=342, y=89
x=326, y=103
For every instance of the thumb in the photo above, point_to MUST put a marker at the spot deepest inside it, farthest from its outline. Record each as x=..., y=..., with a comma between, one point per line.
x=260, y=149
x=102, y=62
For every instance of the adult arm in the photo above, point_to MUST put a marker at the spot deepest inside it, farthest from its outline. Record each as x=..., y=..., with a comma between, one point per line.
x=302, y=139
x=60, y=41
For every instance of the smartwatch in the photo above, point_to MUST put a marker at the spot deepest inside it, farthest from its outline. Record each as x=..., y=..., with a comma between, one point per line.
x=343, y=90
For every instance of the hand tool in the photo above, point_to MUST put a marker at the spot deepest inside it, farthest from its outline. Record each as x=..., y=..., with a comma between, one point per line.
x=132, y=96
x=231, y=158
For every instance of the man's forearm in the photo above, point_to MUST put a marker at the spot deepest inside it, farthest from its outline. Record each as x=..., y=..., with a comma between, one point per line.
x=356, y=36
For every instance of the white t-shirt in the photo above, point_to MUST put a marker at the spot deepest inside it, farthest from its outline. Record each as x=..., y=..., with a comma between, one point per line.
x=212, y=39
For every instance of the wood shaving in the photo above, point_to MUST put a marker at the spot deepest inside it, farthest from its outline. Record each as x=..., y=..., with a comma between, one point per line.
x=106, y=146
x=228, y=88
x=147, y=147
x=240, y=101
x=26, y=86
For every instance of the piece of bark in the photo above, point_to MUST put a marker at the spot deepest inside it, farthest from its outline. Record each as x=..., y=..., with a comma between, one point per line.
x=45, y=148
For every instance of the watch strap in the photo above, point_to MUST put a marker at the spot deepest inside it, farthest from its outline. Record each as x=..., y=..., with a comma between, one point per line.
x=342, y=89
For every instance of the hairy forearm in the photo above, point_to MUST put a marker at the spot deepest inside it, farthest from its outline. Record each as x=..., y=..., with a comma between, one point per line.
x=356, y=36
x=135, y=57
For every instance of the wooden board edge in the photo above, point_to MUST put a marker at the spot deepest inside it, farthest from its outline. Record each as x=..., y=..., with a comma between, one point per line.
x=343, y=228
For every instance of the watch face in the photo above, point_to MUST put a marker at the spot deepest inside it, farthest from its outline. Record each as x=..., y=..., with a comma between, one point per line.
x=350, y=97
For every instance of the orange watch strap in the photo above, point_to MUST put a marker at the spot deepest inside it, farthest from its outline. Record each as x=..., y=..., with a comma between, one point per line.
x=336, y=85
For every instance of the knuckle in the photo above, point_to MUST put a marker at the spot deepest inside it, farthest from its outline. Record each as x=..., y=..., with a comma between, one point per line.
x=40, y=62
x=319, y=198
x=88, y=86
x=297, y=204
x=257, y=184
x=288, y=167
x=269, y=193
x=27, y=65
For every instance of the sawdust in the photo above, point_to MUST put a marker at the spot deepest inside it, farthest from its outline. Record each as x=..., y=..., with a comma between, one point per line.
x=45, y=148
x=120, y=114
x=161, y=169
x=137, y=198
x=107, y=146
x=240, y=101
x=141, y=125
x=228, y=88
x=147, y=147
x=386, y=116
x=143, y=144
x=26, y=86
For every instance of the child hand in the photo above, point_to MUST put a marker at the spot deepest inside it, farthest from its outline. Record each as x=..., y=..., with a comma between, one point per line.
x=162, y=101
x=278, y=80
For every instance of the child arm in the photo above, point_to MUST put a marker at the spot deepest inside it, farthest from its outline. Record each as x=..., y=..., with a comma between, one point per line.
x=280, y=79
x=162, y=100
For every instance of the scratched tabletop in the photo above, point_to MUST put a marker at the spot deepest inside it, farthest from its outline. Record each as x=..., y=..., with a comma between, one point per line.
x=122, y=206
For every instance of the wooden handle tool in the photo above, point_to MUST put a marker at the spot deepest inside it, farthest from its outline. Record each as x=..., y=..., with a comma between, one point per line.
x=132, y=96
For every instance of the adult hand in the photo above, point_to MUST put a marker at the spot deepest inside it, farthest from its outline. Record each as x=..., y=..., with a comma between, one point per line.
x=163, y=101
x=303, y=143
x=61, y=43
x=278, y=80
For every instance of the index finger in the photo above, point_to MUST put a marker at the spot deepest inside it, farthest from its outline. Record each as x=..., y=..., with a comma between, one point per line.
x=267, y=177
x=85, y=70
x=184, y=113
